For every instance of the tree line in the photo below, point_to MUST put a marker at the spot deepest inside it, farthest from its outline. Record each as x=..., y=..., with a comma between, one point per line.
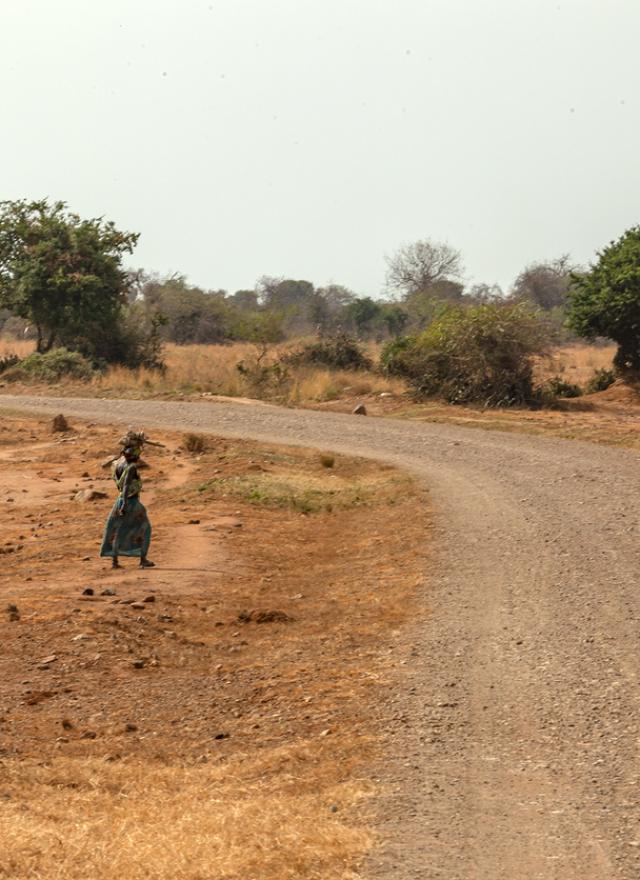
x=63, y=282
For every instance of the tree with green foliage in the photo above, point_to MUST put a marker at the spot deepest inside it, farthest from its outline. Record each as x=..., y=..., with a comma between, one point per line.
x=63, y=274
x=605, y=301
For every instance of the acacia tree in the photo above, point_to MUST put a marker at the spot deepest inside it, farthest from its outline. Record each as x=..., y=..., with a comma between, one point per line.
x=605, y=301
x=62, y=273
x=417, y=267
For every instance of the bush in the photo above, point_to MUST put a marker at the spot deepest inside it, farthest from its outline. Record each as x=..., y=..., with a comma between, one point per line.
x=601, y=380
x=340, y=352
x=51, y=367
x=393, y=357
x=475, y=354
x=559, y=387
x=263, y=378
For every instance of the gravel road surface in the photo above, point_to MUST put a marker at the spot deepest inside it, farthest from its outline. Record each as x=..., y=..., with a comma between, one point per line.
x=520, y=755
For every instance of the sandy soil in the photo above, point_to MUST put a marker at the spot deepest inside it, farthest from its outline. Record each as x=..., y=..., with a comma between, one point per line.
x=516, y=729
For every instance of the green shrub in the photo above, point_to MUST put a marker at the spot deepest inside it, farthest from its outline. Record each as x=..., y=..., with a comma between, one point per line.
x=478, y=354
x=393, y=357
x=340, y=352
x=559, y=387
x=601, y=380
x=51, y=367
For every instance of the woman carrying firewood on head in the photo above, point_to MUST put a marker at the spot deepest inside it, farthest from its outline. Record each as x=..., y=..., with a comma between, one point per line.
x=128, y=530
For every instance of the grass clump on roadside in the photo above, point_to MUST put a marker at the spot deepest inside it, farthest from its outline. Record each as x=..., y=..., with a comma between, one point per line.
x=308, y=493
x=195, y=443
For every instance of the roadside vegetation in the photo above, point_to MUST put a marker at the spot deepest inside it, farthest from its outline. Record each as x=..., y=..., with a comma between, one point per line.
x=81, y=317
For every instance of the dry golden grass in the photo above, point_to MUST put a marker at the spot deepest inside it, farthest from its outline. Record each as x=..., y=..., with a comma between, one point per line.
x=577, y=363
x=213, y=369
x=252, y=818
x=21, y=347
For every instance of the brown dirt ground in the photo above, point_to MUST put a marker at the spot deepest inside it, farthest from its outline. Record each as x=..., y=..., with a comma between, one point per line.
x=181, y=681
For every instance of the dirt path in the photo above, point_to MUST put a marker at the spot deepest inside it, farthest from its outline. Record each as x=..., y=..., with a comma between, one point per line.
x=517, y=733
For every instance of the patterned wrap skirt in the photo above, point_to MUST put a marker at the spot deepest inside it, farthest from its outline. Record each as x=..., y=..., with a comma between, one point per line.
x=128, y=535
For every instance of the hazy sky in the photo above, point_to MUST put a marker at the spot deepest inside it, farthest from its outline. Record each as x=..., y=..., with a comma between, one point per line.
x=309, y=138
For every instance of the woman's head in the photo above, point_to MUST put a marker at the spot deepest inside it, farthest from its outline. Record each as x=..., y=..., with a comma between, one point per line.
x=131, y=453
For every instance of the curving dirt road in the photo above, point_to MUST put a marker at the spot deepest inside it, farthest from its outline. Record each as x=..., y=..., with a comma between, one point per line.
x=520, y=755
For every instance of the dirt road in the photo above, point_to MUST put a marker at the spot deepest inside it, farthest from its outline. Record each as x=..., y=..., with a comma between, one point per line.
x=518, y=752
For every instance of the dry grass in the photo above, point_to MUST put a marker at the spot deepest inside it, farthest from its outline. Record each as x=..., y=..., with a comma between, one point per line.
x=577, y=363
x=248, y=818
x=212, y=369
x=21, y=347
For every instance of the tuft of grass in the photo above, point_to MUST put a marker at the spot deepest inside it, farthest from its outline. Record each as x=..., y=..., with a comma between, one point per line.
x=309, y=493
x=327, y=461
x=195, y=443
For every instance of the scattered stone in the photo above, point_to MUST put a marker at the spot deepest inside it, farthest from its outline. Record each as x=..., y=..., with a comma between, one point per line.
x=165, y=618
x=86, y=495
x=44, y=664
x=108, y=592
x=194, y=522
x=149, y=599
x=130, y=727
x=221, y=736
x=334, y=808
x=139, y=664
x=89, y=734
x=81, y=637
x=360, y=410
x=326, y=732
x=88, y=591
x=86, y=559
x=59, y=425
x=139, y=606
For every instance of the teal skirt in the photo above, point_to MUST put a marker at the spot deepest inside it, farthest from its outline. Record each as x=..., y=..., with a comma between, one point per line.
x=128, y=535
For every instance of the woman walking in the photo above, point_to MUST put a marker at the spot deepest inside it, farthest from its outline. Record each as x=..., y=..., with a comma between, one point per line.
x=128, y=530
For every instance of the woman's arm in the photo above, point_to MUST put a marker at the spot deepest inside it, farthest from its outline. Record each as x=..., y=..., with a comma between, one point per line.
x=125, y=489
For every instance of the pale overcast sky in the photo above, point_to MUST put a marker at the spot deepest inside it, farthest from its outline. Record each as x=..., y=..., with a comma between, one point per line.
x=309, y=138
